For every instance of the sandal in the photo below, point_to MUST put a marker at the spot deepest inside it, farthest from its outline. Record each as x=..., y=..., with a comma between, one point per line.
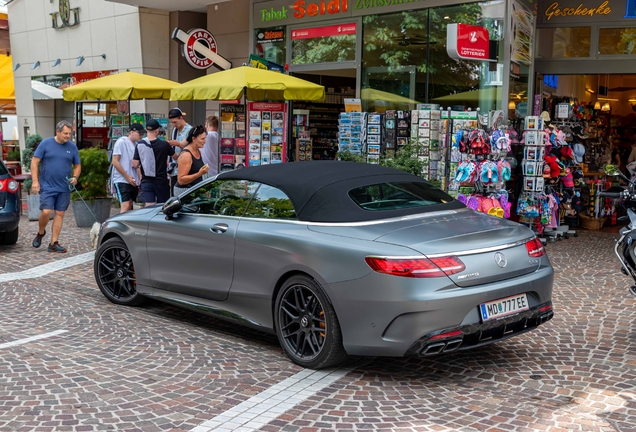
x=56, y=247
x=37, y=241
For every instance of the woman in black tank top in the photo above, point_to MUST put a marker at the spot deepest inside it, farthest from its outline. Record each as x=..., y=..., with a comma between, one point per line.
x=191, y=166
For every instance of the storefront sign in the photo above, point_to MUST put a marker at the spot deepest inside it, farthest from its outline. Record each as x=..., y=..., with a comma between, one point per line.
x=556, y=10
x=289, y=11
x=62, y=81
x=199, y=49
x=317, y=32
x=467, y=42
x=62, y=18
x=271, y=36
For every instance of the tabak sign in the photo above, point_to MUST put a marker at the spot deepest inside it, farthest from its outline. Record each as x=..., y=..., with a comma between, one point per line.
x=199, y=49
x=467, y=42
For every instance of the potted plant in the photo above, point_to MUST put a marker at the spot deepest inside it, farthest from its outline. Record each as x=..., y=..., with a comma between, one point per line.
x=92, y=186
x=33, y=200
x=13, y=155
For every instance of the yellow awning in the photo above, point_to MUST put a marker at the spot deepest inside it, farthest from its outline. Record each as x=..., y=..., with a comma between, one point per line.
x=7, y=90
x=260, y=84
x=121, y=86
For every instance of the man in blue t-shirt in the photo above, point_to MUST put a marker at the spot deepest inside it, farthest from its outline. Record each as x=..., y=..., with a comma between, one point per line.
x=57, y=155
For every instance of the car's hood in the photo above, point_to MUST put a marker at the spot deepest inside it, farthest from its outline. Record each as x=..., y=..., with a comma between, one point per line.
x=143, y=213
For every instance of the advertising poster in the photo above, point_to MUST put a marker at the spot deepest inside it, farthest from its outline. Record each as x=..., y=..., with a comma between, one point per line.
x=267, y=140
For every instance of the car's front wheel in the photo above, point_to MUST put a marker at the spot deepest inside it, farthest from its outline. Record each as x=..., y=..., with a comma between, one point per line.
x=307, y=325
x=115, y=273
x=10, y=237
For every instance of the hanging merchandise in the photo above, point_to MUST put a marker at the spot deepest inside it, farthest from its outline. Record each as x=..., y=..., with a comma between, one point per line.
x=352, y=132
x=232, y=143
x=267, y=133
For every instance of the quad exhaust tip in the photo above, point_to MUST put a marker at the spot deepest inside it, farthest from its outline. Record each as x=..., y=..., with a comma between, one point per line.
x=440, y=347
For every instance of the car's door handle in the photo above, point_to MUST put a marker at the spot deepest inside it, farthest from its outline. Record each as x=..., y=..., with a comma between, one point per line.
x=219, y=228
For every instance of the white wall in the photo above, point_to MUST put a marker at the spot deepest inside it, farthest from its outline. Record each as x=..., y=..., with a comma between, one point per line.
x=105, y=28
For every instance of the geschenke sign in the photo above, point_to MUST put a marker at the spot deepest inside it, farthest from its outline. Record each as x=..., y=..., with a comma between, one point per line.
x=585, y=11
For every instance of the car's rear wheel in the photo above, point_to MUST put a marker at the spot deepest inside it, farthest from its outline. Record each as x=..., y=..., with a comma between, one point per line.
x=115, y=273
x=307, y=326
x=10, y=237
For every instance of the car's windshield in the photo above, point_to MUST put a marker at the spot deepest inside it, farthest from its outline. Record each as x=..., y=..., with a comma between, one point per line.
x=3, y=170
x=399, y=195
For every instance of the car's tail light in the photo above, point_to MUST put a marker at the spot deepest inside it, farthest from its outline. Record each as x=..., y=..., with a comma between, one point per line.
x=9, y=185
x=416, y=267
x=535, y=248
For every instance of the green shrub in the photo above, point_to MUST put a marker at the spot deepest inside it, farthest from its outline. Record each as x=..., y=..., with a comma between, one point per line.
x=32, y=142
x=348, y=156
x=93, y=182
x=406, y=159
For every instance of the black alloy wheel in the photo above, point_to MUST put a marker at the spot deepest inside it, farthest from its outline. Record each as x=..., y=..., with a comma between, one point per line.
x=115, y=273
x=307, y=326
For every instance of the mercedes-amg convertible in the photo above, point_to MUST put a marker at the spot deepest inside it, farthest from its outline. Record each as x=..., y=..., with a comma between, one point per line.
x=335, y=258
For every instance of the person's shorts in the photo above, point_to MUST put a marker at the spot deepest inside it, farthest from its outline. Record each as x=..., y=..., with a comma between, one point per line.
x=55, y=200
x=126, y=192
x=157, y=192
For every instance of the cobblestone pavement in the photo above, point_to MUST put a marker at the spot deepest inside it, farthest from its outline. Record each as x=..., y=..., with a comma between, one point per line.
x=158, y=368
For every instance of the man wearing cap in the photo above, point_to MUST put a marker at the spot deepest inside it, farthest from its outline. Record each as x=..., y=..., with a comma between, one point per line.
x=180, y=130
x=151, y=154
x=125, y=178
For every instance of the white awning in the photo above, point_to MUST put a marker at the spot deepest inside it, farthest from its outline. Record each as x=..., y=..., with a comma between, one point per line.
x=43, y=91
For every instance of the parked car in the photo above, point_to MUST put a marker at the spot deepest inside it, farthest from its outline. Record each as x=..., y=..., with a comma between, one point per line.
x=336, y=258
x=9, y=207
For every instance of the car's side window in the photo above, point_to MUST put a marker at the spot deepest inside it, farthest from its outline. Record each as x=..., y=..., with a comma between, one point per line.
x=221, y=197
x=271, y=203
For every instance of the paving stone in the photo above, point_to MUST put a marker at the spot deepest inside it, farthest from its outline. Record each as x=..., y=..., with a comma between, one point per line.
x=159, y=368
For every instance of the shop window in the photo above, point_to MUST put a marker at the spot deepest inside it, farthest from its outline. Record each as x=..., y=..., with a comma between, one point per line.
x=404, y=54
x=326, y=44
x=270, y=44
x=617, y=41
x=564, y=42
x=271, y=203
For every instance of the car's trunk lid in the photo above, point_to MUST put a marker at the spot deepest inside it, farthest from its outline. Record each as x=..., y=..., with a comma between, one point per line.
x=492, y=249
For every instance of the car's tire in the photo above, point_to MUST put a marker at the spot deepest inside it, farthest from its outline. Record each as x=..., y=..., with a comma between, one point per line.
x=306, y=324
x=115, y=273
x=10, y=237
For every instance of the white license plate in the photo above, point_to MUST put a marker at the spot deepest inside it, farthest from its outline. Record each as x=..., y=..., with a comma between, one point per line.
x=503, y=307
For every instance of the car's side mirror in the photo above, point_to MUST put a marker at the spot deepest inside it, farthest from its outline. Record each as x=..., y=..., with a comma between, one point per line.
x=172, y=206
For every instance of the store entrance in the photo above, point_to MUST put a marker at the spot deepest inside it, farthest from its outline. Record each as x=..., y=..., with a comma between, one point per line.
x=315, y=124
x=603, y=103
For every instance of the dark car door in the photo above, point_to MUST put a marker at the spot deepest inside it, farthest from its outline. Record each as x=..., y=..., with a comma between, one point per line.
x=193, y=253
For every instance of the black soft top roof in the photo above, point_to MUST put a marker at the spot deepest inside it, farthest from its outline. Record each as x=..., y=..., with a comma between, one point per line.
x=319, y=189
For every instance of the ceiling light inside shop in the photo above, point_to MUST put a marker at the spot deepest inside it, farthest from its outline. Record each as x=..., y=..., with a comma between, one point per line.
x=608, y=99
x=589, y=90
x=606, y=107
x=512, y=105
x=446, y=17
x=597, y=105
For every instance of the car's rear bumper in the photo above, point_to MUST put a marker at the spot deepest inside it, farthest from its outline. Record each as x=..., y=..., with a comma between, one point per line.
x=10, y=214
x=384, y=315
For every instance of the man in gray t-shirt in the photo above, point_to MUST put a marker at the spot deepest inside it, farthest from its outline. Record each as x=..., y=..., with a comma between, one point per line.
x=180, y=131
x=210, y=152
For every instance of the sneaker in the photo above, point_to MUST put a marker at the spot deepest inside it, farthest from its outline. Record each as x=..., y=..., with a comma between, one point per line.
x=55, y=247
x=37, y=241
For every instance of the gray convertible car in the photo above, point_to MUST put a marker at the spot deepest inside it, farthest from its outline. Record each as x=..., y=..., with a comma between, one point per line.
x=335, y=258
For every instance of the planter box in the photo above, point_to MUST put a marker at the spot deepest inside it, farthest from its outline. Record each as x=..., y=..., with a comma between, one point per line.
x=33, y=207
x=99, y=207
